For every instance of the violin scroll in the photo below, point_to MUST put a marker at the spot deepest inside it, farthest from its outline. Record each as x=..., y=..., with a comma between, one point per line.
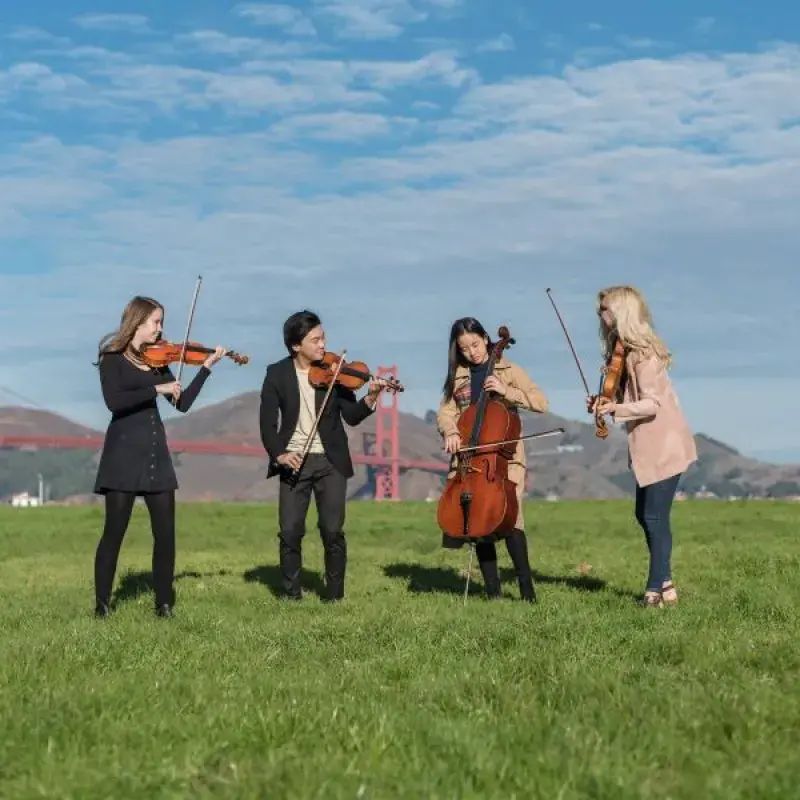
x=352, y=374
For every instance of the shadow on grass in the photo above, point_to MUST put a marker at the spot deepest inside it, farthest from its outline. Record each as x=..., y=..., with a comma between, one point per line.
x=135, y=584
x=422, y=579
x=269, y=575
x=443, y=580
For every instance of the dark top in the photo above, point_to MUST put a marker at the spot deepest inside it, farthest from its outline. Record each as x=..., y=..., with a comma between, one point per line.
x=280, y=409
x=135, y=455
x=477, y=377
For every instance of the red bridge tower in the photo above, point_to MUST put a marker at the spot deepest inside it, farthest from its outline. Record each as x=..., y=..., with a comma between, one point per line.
x=386, y=442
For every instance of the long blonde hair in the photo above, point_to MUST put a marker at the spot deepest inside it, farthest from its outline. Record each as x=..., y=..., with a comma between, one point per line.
x=633, y=323
x=134, y=314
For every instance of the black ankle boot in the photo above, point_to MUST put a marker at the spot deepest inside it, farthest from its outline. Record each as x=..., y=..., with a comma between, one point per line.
x=165, y=611
x=101, y=610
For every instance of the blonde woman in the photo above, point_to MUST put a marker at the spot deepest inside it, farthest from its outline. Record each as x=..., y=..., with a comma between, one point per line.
x=135, y=458
x=660, y=444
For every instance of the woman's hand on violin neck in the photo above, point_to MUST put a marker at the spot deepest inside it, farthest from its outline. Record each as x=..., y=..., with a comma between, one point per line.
x=604, y=406
x=493, y=384
x=216, y=356
x=173, y=388
x=452, y=444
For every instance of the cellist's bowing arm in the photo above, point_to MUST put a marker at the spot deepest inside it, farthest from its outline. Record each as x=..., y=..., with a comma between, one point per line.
x=447, y=425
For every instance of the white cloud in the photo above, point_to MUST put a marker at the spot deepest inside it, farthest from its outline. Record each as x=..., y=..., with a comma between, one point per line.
x=136, y=23
x=675, y=174
x=26, y=33
x=218, y=43
x=500, y=44
x=113, y=83
x=377, y=19
x=341, y=126
x=290, y=19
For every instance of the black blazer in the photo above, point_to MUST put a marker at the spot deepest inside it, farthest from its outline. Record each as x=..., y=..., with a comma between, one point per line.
x=135, y=456
x=280, y=409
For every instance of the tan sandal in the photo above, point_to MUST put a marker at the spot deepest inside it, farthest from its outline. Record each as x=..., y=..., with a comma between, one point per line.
x=669, y=594
x=652, y=599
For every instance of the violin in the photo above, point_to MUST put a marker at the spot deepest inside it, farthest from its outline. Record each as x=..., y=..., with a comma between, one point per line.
x=611, y=384
x=613, y=375
x=351, y=375
x=164, y=353
x=479, y=499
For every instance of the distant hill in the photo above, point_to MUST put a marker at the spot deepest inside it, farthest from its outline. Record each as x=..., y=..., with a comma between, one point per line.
x=574, y=465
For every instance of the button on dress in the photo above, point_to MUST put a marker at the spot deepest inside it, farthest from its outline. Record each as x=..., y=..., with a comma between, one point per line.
x=135, y=456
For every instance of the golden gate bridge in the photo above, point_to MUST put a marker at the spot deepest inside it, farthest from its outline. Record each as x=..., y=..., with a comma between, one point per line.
x=381, y=450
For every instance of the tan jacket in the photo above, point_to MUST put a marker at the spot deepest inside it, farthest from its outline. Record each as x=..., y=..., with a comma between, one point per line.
x=660, y=443
x=521, y=392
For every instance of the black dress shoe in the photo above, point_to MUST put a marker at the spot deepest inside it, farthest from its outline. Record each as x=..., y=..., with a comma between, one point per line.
x=527, y=592
x=165, y=611
x=101, y=610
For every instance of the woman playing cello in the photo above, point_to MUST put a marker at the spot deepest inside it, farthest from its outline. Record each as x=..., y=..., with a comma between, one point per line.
x=468, y=360
x=660, y=443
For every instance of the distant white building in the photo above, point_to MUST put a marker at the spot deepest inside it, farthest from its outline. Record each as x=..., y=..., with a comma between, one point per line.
x=23, y=499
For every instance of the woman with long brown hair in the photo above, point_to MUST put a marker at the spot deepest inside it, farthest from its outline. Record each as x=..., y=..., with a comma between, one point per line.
x=136, y=460
x=660, y=444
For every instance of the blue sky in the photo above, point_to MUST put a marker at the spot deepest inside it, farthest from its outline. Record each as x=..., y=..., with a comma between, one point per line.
x=395, y=164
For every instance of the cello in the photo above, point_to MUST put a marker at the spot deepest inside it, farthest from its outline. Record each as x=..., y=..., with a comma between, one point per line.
x=479, y=499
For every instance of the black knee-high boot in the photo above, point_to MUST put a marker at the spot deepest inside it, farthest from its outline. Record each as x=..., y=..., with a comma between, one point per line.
x=487, y=561
x=517, y=546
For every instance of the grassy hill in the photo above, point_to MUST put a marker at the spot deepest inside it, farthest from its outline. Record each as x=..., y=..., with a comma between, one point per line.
x=403, y=691
x=574, y=465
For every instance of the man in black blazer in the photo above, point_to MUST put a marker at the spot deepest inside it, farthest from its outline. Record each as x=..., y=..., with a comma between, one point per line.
x=289, y=405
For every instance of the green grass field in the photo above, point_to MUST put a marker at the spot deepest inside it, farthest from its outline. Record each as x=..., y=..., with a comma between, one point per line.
x=402, y=691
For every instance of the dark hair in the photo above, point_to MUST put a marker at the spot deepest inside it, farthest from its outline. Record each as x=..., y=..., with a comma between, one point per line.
x=454, y=356
x=297, y=327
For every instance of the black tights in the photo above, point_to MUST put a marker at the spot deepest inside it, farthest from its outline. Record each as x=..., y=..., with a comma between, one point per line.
x=119, y=505
x=517, y=546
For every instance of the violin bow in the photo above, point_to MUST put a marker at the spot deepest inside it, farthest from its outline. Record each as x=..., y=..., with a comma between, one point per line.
x=189, y=326
x=569, y=342
x=540, y=435
x=307, y=446
x=598, y=417
x=186, y=336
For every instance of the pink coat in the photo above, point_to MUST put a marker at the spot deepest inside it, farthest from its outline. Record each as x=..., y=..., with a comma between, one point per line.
x=660, y=442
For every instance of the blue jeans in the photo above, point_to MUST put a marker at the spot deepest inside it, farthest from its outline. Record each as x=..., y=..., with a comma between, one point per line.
x=653, y=507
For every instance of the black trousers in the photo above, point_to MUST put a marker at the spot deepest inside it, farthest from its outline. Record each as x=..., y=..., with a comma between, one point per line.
x=329, y=487
x=517, y=545
x=119, y=506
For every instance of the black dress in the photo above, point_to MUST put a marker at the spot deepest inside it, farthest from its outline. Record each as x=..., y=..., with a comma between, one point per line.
x=135, y=455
